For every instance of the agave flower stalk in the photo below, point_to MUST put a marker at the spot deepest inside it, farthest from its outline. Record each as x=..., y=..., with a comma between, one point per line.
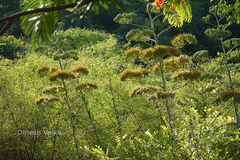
x=165, y=90
x=230, y=84
x=71, y=118
x=221, y=33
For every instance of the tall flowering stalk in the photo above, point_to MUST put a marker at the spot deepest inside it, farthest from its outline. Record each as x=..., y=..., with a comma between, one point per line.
x=156, y=52
x=223, y=11
x=63, y=76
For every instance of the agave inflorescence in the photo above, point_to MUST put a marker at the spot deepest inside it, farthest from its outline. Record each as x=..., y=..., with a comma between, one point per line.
x=43, y=70
x=133, y=73
x=132, y=53
x=46, y=100
x=62, y=74
x=187, y=75
x=86, y=87
x=80, y=69
x=159, y=51
x=183, y=39
x=141, y=90
x=40, y=100
x=161, y=95
x=53, y=89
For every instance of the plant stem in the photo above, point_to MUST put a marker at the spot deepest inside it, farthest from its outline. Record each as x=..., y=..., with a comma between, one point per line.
x=70, y=114
x=230, y=84
x=91, y=119
x=71, y=118
x=165, y=90
x=152, y=26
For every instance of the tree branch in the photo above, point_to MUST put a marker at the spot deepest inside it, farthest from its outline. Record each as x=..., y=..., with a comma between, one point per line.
x=12, y=17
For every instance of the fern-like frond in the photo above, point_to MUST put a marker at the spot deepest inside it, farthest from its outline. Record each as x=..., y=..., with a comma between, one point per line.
x=45, y=14
x=173, y=17
x=180, y=14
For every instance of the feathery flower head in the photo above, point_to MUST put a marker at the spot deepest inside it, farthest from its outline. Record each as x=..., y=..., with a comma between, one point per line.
x=62, y=74
x=80, y=69
x=161, y=95
x=141, y=90
x=175, y=62
x=133, y=91
x=186, y=74
x=133, y=73
x=183, y=59
x=147, y=53
x=53, y=89
x=86, y=86
x=170, y=64
x=183, y=39
x=163, y=50
x=52, y=99
x=43, y=70
x=156, y=69
x=40, y=100
x=132, y=53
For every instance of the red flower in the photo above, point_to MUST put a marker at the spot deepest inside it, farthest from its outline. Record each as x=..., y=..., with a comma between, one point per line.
x=158, y=3
x=173, y=7
x=184, y=1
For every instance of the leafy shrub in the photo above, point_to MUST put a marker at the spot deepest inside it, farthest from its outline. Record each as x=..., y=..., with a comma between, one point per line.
x=9, y=45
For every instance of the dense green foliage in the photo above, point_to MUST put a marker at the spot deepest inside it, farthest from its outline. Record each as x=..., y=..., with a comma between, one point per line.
x=85, y=95
x=9, y=46
x=104, y=21
x=120, y=126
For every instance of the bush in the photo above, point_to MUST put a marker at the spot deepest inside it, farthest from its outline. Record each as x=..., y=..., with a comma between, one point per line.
x=9, y=46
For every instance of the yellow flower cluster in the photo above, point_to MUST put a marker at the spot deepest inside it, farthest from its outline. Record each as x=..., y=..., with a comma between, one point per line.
x=159, y=51
x=86, y=87
x=187, y=75
x=133, y=73
x=183, y=39
x=173, y=63
x=46, y=99
x=44, y=69
x=53, y=89
x=132, y=53
x=161, y=95
x=141, y=90
x=62, y=74
x=80, y=69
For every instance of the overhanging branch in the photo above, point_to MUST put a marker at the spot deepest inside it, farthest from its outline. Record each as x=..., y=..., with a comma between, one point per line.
x=12, y=17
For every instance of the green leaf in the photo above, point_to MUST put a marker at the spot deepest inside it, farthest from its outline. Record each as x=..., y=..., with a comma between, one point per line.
x=176, y=17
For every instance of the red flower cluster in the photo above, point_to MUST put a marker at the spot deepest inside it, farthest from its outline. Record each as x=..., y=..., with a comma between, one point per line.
x=159, y=3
